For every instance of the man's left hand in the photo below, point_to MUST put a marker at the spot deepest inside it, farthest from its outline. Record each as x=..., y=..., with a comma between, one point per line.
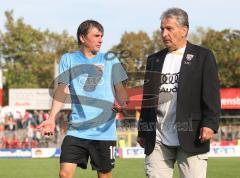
x=205, y=134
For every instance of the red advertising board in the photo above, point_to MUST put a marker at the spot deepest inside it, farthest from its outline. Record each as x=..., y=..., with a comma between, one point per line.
x=230, y=98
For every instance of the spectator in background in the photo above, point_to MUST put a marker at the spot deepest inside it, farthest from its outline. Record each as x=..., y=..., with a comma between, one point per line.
x=36, y=118
x=38, y=136
x=25, y=119
x=1, y=142
x=119, y=118
x=121, y=143
x=56, y=134
x=10, y=124
x=40, y=116
x=2, y=130
x=18, y=118
x=7, y=142
x=25, y=142
x=30, y=132
x=15, y=142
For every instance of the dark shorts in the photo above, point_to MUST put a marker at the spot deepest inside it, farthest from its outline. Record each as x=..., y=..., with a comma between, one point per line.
x=78, y=151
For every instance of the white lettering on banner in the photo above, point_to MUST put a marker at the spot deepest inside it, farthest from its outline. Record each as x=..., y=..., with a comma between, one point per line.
x=15, y=153
x=134, y=152
x=230, y=101
x=31, y=99
x=215, y=151
x=224, y=151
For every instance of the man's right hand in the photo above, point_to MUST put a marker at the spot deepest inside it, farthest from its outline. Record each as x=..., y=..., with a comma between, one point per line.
x=141, y=141
x=47, y=127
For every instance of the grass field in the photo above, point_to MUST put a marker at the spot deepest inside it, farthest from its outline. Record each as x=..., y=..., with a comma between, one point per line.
x=125, y=168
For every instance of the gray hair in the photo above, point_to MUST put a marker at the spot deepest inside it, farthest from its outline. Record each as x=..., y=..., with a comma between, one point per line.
x=180, y=15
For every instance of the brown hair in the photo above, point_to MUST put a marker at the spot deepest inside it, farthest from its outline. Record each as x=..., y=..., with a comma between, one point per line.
x=84, y=27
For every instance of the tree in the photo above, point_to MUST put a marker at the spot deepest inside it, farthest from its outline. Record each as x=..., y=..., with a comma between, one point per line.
x=29, y=53
x=133, y=50
x=157, y=41
x=197, y=36
x=225, y=45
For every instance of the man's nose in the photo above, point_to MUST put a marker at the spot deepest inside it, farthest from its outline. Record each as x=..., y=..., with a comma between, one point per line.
x=164, y=33
x=100, y=40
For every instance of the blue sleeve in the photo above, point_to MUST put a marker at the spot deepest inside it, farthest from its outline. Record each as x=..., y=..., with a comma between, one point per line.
x=64, y=70
x=118, y=72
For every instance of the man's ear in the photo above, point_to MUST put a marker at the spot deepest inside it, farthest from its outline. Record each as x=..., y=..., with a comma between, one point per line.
x=82, y=38
x=184, y=31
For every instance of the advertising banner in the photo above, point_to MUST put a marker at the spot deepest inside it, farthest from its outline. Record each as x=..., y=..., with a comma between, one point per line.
x=215, y=151
x=230, y=98
x=45, y=152
x=15, y=153
x=133, y=152
x=224, y=151
x=32, y=99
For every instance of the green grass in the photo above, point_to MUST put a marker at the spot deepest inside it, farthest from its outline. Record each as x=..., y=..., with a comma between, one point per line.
x=125, y=168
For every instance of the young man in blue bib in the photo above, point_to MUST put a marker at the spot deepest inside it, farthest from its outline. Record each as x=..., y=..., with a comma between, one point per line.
x=93, y=82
